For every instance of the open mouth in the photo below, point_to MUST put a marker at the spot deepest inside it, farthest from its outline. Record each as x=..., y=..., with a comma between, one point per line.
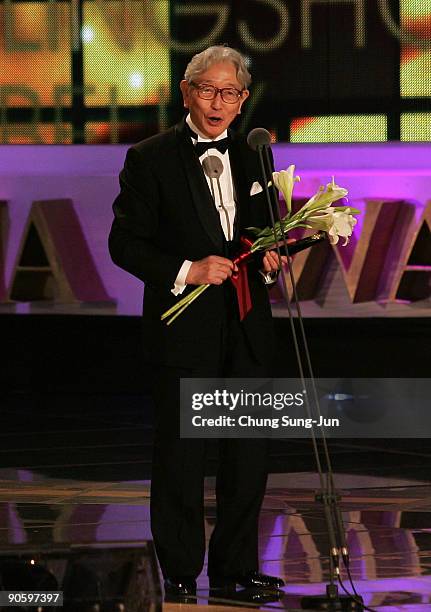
x=214, y=120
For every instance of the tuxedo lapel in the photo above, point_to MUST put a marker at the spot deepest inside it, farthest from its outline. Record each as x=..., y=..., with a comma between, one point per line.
x=202, y=199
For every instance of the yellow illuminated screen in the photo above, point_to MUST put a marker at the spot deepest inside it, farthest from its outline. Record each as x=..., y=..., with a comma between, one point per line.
x=35, y=60
x=134, y=53
x=339, y=128
x=416, y=126
x=124, y=60
x=415, y=61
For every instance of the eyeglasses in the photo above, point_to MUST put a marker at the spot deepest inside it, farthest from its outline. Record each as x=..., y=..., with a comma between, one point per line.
x=230, y=95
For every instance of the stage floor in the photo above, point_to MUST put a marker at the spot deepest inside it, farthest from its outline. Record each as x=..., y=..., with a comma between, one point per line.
x=75, y=469
x=388, y=523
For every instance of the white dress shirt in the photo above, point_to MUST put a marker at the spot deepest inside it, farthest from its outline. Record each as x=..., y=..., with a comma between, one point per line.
x=225, y=206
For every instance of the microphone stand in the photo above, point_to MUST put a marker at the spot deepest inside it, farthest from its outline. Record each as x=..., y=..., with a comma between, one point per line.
x=327, y=495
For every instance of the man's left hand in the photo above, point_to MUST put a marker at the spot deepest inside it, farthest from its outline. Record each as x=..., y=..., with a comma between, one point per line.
x=270, y=261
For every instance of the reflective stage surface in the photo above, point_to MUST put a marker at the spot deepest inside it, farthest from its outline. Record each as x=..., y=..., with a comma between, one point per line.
x=81, y=476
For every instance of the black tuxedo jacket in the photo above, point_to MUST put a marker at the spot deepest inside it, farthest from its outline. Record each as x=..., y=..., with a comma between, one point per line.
x=165, y=214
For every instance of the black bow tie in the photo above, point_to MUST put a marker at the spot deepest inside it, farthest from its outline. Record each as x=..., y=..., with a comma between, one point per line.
x=221, y=145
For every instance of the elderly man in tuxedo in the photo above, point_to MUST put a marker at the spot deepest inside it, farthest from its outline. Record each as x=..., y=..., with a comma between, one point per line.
x=174, y=229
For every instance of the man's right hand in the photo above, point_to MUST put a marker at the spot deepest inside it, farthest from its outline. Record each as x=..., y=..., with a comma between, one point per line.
x=212, y=270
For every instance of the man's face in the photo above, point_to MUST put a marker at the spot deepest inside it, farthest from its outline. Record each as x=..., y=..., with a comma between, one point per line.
x=212, y=117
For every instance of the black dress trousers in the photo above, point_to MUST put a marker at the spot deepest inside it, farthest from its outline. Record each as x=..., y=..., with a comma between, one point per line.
x=177, y=484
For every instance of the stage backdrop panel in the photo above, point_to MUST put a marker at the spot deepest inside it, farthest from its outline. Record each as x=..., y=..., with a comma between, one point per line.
x=390, y=182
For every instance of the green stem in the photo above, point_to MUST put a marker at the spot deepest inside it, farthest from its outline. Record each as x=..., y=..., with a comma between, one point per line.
x=195, y=294
x=183, y=301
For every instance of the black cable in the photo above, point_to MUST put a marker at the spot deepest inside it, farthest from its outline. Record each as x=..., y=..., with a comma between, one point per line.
x=352, y=584
x=358, y=601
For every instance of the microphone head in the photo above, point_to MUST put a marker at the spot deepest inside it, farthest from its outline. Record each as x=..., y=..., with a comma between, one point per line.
x=213, y=166
x=259, y=137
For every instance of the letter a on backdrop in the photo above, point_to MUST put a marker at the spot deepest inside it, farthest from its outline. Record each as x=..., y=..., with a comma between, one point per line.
x=412, y=279
x=364, y=261
x=54, y=262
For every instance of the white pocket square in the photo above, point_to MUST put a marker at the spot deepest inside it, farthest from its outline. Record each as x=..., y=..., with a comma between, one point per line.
x=255, y=188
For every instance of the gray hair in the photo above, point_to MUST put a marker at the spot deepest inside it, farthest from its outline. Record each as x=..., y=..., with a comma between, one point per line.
x=213, y=55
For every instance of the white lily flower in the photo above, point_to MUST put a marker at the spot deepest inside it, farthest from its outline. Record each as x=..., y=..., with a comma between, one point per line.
x=336, y=223
x=284, y=181
x=324, y=197
x=321, y=221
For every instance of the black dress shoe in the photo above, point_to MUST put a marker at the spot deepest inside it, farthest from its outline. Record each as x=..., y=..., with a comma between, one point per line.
x=256, y=580
x=250, y=580
x=180, y=588
x=244, y=596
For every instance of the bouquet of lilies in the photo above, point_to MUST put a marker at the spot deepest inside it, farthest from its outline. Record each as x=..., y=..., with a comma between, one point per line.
x=318, y=213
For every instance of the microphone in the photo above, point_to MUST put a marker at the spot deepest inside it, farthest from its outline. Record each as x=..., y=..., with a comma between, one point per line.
x=257, y=138
x=213, y=168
